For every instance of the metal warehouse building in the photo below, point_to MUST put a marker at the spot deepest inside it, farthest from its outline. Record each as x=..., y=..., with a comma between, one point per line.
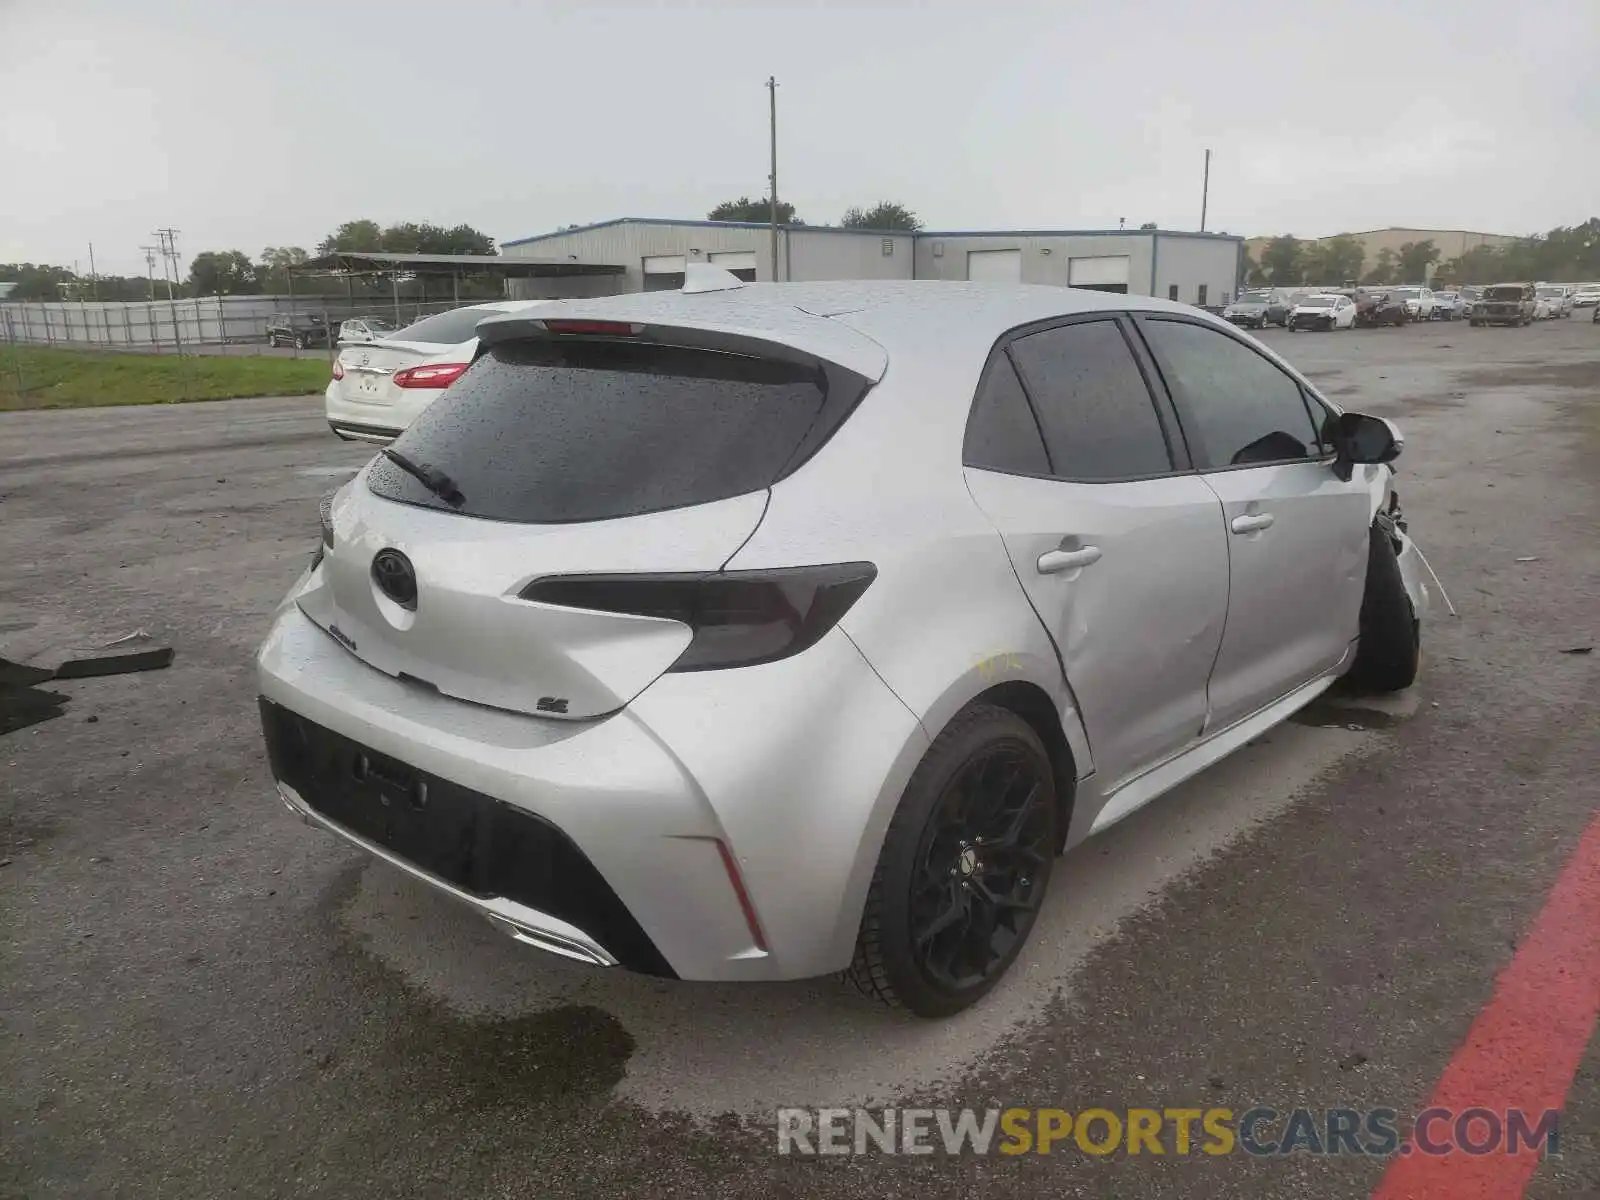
x=646, y=254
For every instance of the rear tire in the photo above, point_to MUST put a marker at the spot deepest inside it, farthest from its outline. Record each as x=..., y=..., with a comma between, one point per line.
x=964, y=867
x=1391, y=636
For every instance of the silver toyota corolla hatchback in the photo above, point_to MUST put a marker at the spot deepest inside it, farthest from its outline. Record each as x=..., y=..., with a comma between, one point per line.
x=758, y=632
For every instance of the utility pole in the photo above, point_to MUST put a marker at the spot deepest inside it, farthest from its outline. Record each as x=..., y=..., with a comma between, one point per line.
x=150, y=268
x=1205, y=192
x=94, y=279
x=772, y=90
x=168, y=246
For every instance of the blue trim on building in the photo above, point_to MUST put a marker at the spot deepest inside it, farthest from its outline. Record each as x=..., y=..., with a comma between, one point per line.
x=1036, y=233
x=921, y=233
x=762, y=225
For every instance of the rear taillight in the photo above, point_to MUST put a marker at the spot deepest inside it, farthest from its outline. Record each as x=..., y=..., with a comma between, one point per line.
x=338, y=369
x=436, y=375
x=739, y=618
x=325, y=517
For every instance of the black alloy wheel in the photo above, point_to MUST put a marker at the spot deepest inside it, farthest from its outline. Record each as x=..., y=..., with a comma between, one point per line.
x=984, y=858
x=964, y=867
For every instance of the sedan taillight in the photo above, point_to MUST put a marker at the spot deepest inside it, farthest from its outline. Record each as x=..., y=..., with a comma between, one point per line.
x=435, y=375
x=338, y=369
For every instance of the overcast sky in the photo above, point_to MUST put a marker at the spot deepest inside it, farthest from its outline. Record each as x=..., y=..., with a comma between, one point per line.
x=253, y=124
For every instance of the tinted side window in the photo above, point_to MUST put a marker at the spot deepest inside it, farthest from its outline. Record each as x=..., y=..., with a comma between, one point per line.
x=1243, y=409
x=1001, y=432
x=1098, y=418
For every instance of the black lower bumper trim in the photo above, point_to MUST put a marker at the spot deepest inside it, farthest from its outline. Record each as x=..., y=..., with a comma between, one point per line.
x=354, y=429
x=471, y=841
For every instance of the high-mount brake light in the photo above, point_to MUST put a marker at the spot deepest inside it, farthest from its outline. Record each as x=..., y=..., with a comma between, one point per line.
x=594, y=328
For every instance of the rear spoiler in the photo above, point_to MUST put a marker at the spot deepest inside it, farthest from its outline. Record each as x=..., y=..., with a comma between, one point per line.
x=862, y=359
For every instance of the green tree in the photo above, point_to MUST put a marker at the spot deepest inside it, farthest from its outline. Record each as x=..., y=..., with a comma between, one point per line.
x=1414, y=260
x=1248, y=267
x=36, y=281
x=1342, y=256
x=222, y=272
x=353, y=236
x=1280, y=261
x=746, y=209
x=1383, y=268
x=886, y=214
x=281, y=258
x=410, y=237
x=272, y=272
x=1314, y=265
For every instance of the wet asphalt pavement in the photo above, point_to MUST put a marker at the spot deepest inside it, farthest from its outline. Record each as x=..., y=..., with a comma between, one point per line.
x=201, y=997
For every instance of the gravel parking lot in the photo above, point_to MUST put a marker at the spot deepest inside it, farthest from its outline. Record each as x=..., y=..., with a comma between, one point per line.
x=204, y=997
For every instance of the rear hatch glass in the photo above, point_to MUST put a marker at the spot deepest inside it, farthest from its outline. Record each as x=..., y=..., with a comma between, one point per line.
x=548, y=431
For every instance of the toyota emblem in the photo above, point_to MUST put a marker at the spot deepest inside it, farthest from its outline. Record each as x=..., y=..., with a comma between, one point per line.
x=395, y=577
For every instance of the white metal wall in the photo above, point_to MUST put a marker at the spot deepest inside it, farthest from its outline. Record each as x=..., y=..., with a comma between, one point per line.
x=628, y=244
x=1188, y=262
x=1046, y=258
x=1154, y=261
x=814, y=254
x=803, y=254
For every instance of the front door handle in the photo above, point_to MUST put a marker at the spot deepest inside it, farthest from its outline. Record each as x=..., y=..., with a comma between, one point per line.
x=1053, y=562
x=1252, y=523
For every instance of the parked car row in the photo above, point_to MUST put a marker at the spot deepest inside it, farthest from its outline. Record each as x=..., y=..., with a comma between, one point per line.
x=303, y=330
x=1500, y=304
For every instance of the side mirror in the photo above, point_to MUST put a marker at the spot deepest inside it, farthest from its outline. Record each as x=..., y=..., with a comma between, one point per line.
x=1358, y=438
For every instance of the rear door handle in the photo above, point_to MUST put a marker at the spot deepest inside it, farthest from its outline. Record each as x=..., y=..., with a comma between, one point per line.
x=1053, y=562
x=1251, y=523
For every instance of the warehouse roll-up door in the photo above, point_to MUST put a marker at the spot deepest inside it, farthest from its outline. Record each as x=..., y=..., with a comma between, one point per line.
x=741, y=262
x=1107, y=274
x=995, y=266
x=663, y=272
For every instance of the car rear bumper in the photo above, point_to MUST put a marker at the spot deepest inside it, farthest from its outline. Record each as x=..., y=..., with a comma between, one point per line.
x=778, y=780
x=373, y=422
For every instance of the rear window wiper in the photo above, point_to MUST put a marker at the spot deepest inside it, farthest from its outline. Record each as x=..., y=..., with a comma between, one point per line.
x=435, y=480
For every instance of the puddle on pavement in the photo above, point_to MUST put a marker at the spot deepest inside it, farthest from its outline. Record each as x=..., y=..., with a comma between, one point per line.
x=705, y=1049
x=477, y=1060
x=1344, y=716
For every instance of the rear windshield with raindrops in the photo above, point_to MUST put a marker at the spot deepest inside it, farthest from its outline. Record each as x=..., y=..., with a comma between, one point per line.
x=544, y=431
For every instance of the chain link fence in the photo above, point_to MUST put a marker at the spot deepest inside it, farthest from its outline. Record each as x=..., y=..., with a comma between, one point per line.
x=194, y=331
x=204, y=325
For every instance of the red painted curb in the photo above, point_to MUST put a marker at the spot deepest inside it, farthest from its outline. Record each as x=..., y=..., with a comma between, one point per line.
x=1524, y=1047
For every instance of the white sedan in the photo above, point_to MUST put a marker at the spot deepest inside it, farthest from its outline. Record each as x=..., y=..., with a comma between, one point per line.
x=1322, y=312
x=365, y=329
x=380, y=386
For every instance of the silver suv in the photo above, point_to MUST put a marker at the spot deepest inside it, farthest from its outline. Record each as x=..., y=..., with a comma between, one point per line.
x=762, y=631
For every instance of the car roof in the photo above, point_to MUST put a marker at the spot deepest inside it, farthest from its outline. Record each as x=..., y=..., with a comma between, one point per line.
x=861, y=324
